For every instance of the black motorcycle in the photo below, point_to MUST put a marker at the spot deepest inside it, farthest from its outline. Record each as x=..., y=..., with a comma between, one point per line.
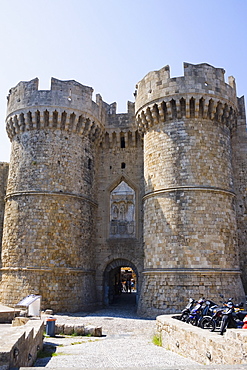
x=186, y=311
x=214, y=317
x=232, y=317
x=196, y=313
x=214, y=321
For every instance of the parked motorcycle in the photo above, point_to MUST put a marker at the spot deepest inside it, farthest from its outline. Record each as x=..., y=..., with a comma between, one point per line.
x=229, y=315
x=202, y=311
x=216, y=313
x=208, y=315
x=186, y=311
x=214, y=321
x=196, y=313
x=227, y=318
x=232, y=317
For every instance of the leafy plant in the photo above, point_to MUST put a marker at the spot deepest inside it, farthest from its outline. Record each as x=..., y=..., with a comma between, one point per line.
x=157, y=340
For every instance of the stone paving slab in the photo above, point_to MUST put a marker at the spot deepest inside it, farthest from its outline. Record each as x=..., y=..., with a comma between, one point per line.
x=116, y=351
x=126, y=343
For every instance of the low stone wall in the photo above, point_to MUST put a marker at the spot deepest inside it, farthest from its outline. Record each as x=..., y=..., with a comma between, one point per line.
x=8, y=315
x=89, y=330
x=200, y=344
x=20, y=345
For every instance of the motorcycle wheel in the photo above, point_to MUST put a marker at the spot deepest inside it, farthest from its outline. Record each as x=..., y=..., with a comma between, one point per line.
x=192, y=321
x=224, y=323
x=208, y=323
x=184, y=317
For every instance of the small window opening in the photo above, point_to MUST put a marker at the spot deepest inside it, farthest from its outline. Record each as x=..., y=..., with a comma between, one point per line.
x=122, y=142
x=89, y=164
x=122, y=165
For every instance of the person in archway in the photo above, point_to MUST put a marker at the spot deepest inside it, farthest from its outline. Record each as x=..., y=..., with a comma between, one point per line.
x=120, y=287
x=124, y=286
x=128, y=285
x=133, y=284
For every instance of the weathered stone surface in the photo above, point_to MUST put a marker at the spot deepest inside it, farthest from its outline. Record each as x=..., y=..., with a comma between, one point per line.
x=190, y=223
x=79, y=329
x=201, y=345
x=160, y=189
x=98, y=331
x=19, y=321
x=59, y=329
x=94, y=331
x=4, y=170
x=68, y=329
x=20, y=344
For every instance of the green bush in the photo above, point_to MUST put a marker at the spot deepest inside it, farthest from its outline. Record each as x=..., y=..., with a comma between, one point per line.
x=157, y=340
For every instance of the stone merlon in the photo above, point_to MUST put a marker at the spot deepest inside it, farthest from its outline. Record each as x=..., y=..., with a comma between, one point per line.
x=63, y=95
x=198, y=80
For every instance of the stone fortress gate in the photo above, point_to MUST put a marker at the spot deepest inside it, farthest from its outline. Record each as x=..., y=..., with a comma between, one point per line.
x=160, y=189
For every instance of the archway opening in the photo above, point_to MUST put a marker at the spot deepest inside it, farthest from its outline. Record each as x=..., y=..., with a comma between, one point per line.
x=121, y=284
x=127, y=280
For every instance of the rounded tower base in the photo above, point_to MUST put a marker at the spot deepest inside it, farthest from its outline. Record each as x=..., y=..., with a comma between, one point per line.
x=168, y=291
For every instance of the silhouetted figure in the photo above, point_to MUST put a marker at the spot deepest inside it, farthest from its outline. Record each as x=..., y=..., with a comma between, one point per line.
x=128, y=285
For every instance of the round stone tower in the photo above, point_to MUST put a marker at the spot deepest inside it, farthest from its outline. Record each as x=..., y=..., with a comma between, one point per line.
x=190, y=244
x=48, y=236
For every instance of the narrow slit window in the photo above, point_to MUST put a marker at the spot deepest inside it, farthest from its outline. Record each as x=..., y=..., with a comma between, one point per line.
x=122, y=142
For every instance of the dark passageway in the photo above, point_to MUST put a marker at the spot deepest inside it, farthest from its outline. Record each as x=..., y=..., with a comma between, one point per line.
x=124, y=300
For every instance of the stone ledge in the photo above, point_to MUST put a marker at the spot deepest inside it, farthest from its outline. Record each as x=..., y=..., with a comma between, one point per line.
x=7, y=314
x=19, y=345
x=68, y=329
x=201, y=345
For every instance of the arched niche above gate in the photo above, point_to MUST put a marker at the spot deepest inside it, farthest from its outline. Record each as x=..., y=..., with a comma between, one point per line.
x=122, y=211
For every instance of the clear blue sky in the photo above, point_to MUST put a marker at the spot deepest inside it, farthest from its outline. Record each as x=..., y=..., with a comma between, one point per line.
x=112, y=44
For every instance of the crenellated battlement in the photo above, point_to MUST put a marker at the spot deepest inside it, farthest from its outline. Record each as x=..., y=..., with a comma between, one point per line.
x=186, y=106
x=199, y=81
x=63, y=94
x=121, y=130
x=82, y=124
x=67, y=105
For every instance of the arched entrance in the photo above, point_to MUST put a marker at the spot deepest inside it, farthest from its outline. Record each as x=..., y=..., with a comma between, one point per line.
x=120, y=278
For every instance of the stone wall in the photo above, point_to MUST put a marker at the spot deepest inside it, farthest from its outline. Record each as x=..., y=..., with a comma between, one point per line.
x=120, y=160
x=201, y=345
x=21, y=345
x=239, y=146
x=189, y=223
x=198, y=80
x=4, y=169
x=49, y=234
x=49, y=222
x=160, y=189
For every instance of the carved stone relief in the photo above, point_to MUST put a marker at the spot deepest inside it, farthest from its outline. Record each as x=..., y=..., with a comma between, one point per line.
x=122, y=211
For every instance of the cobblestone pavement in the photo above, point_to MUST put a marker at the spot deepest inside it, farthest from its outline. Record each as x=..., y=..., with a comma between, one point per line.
x=126, y=342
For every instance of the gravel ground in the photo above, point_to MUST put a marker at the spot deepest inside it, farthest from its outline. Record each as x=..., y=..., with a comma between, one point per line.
x=126, y=342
